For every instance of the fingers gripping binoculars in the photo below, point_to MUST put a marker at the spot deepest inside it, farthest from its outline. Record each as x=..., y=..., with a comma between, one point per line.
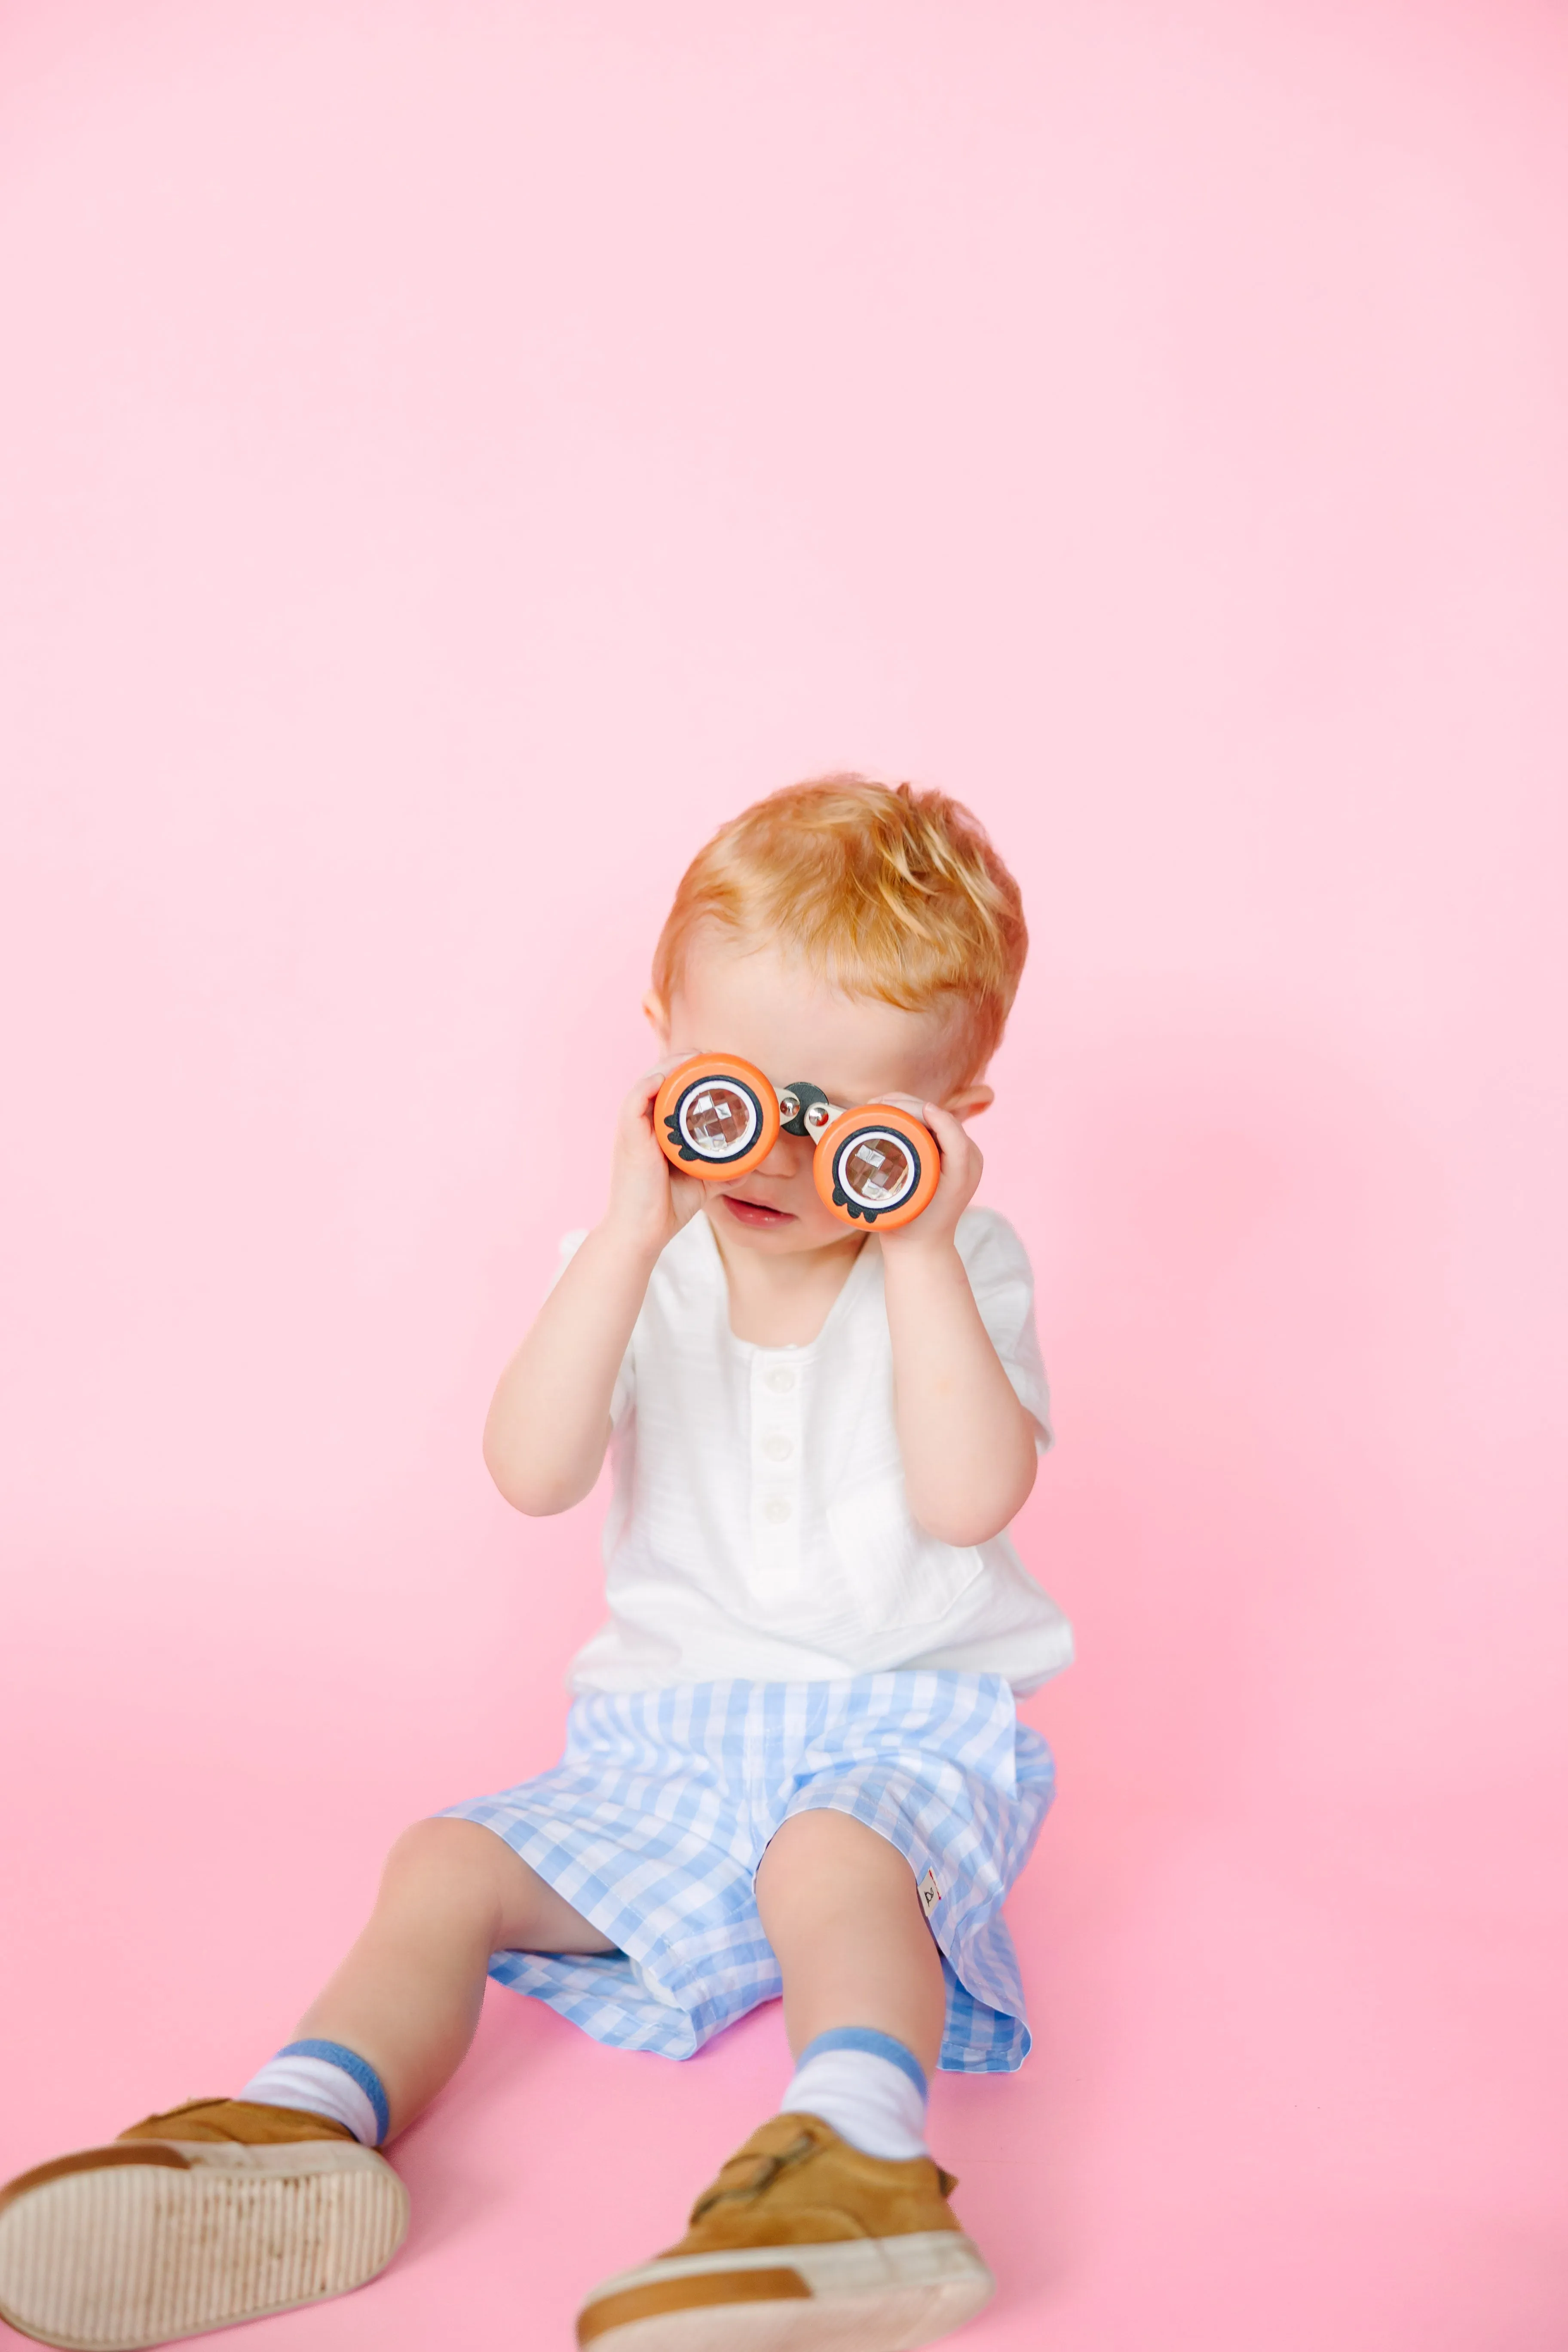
x=716, y=1117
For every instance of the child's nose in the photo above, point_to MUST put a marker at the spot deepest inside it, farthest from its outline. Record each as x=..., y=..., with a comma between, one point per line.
x=789, y=1155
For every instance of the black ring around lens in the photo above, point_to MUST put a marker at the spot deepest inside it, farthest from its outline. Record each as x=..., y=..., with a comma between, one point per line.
x=847, y=1201
x=677, y=1135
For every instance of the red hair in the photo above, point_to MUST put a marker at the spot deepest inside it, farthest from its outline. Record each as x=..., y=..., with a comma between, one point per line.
x=889, y=892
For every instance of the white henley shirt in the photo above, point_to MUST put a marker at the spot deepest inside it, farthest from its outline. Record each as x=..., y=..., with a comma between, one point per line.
x=757, y=1525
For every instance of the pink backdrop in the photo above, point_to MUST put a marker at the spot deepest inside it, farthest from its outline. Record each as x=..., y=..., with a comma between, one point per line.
x=449, y=457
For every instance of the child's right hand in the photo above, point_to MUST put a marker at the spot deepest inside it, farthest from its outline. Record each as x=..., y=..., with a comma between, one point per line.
x=649, y=1200
x=550, y=1418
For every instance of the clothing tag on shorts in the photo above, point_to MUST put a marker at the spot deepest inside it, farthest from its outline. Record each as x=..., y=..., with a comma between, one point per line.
x=930, y=1892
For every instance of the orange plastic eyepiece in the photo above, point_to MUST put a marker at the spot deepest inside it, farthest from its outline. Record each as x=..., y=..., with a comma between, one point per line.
x=716, y=1117
x=877, y=1166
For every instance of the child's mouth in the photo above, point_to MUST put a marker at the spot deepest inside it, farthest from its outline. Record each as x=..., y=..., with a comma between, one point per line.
x=753, y=1214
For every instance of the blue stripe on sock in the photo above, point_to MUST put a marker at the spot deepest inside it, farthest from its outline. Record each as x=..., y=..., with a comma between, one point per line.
x=358, y=2070
x=875, y=2044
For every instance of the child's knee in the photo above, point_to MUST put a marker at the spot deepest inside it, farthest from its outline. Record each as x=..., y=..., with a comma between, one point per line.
x=817, y=1848
x=457, y=1858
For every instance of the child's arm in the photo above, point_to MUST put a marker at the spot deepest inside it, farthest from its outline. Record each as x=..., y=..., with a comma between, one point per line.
x=549, y=1420
x=968, y=1444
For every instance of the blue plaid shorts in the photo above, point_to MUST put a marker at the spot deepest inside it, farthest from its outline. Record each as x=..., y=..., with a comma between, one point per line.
x=653, y=1821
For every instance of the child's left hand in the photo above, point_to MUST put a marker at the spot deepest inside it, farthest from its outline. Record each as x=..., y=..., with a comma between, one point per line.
x=967, y=1444
x=961, y=1170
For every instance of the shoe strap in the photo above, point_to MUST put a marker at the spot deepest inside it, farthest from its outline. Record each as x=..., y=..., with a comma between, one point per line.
x=767, y=2170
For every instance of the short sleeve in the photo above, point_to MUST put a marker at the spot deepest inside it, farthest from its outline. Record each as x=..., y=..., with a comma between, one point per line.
x=621, y=1394
x=1003, y=1284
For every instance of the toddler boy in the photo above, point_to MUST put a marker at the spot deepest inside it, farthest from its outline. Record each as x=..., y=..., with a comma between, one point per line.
x=793, y=1764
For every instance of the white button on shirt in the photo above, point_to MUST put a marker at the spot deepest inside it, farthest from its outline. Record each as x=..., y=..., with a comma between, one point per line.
x=758, y=1525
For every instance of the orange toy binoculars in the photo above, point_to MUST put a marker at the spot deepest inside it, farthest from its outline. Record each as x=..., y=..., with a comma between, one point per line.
x=716, y=1117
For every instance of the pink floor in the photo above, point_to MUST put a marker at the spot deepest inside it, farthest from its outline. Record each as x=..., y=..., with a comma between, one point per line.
x=451, y=457
x=1300, y=2055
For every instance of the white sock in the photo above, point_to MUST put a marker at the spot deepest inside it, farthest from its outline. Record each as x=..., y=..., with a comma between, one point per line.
x=322, y=2078
x=867, y=2086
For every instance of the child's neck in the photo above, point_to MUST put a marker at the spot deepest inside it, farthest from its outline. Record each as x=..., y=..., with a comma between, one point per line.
x=783, y=1302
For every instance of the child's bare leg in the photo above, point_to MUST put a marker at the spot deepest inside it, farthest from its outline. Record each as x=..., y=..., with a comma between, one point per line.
x=407, y=1997
x=224, y=2208
x=831, y=2226
x=839, y=1907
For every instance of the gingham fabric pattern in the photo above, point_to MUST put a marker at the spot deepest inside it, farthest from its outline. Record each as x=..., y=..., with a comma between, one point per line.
x=653, y=1821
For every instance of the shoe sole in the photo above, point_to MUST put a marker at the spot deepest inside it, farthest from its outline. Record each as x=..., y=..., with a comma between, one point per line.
x=865, y=2294
x=149, y=2240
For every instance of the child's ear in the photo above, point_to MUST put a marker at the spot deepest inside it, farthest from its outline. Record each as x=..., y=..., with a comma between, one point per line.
x=658, y=1018
x=968, y=1102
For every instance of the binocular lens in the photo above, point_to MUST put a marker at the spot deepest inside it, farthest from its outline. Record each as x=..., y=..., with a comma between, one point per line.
x=718, y=1120
x=718, y=1116
x=878, y=1171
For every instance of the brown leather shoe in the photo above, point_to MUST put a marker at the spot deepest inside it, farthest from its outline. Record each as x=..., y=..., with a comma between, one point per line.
x=218, y=2211
x=803, y=2244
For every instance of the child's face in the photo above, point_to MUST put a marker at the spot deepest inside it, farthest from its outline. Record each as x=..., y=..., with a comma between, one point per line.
x=763, y=1004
